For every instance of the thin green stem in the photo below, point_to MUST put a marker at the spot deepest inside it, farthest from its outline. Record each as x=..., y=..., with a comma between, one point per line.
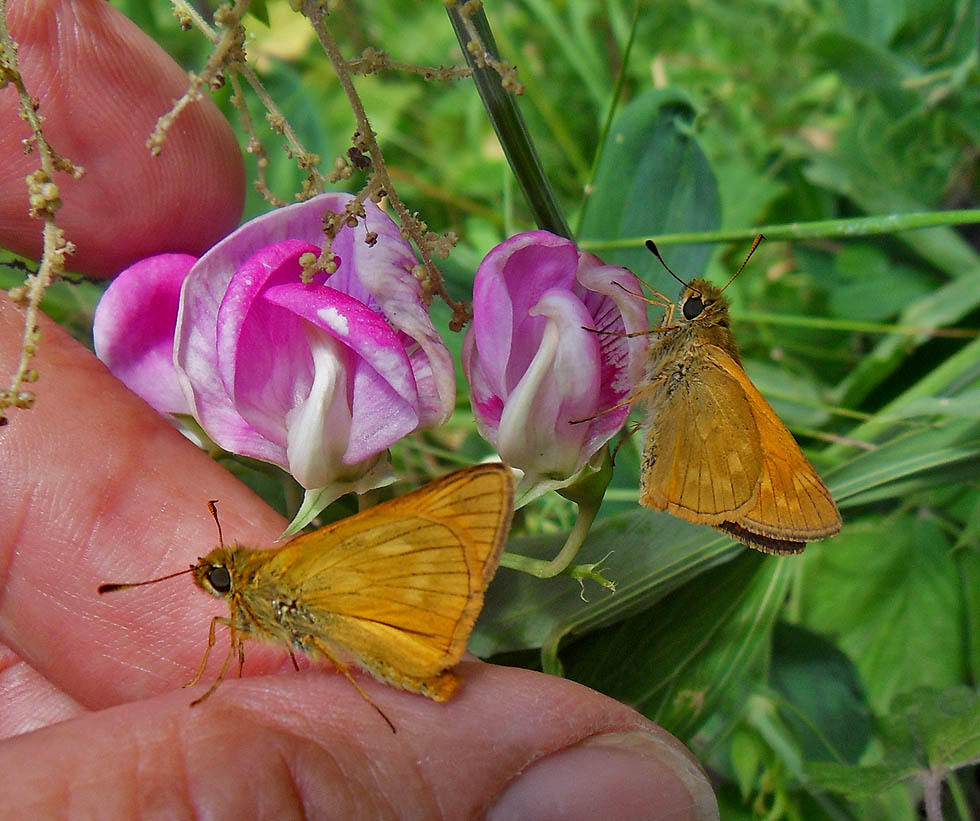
x=850, y=325
x=844, y=228
x=507, y=120
x=547, y=569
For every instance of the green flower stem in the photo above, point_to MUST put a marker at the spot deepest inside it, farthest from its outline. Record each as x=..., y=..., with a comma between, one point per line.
x=850, y=227
x=509, y=124
x=562, y=563
x=587, y=494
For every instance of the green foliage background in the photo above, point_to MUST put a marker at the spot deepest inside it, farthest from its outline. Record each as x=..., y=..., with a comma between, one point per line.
x=828, y=685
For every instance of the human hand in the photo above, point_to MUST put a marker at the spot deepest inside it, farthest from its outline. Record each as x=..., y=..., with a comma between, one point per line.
x=98, y=487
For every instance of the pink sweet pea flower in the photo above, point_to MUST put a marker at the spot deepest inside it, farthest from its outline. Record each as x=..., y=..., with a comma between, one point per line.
x=319, y=379
x=533, y=367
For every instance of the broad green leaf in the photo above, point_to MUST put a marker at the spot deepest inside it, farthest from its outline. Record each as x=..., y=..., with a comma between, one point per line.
x=940, y=726
x=872, y=286
x=968, y=560
x=678, y=660
x=647, y=554
x=859, y=62
x=823, y=701
x=888, y=591
x=859, y=782
x=653, y=179
x=875, y=21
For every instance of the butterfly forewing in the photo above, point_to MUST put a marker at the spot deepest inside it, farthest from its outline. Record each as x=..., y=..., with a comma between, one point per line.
x=403, y=582
x=702, y=458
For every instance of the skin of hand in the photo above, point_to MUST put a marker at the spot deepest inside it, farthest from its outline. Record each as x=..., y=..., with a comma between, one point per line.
x=97, y=487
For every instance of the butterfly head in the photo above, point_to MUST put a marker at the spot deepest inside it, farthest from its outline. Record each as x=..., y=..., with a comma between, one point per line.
x=215, y=573
x=703, y=303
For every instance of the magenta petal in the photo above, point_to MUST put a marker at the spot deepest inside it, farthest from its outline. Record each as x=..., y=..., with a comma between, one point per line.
x=487, y=404
x=508, y=283
x=195, y=346
x=558, y=386
x=351, y=322
x=614, y=298
x=134, y=329
x=264, y=360
x=380, y=415
x=385, y=400
x=385, y=271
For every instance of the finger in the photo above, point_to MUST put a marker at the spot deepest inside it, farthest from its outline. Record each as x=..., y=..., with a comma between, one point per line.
x=98, y=487
x=513, y=744
x=27, y=701
x=102, y=84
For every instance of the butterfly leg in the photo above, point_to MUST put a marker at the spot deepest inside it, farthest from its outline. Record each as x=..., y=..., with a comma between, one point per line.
x=633, y=334
x=236, y=644
x=629, y=400
x=312, y=641
x=623, y=440
x=207, y=652
x=658, y=299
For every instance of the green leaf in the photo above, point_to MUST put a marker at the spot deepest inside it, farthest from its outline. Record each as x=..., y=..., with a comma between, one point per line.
x=941, y=726
x=647, y=554
x=823, y=700
x=653, y=178
x=872, y=286
x=966, y=405
x=860, y=63
x=968, y=561
x=259, y=10
x=678, y=660
x=879, y=473
x=858, y=782
x=746, y=756
x=887, y=590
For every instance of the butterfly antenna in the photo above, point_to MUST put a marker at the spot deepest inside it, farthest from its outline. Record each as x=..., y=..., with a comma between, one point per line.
x=213, y=507
x=748, y=256
x=109, y=588
x=652, y=248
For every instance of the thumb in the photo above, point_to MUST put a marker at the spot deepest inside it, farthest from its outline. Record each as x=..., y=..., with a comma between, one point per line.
x=513, y=744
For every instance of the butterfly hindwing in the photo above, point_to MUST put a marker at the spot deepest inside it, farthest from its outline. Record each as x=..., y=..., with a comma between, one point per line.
x=793, y=503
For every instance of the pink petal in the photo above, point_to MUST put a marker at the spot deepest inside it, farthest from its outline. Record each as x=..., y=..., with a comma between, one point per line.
x=384, y=397
x=134, y=329
x=509, y=282
x=195, y=348
x=559, y=385
x=385, y=270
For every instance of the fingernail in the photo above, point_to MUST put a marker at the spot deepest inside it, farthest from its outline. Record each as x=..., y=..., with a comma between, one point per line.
x=633, y=774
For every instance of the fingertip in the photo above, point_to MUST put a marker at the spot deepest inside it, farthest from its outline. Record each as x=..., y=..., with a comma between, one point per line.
x=101, y=85
x=627, y=774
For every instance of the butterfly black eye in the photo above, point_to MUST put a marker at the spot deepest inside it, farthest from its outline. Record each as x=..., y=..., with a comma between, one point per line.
x=693, y=307
x=220, y=579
